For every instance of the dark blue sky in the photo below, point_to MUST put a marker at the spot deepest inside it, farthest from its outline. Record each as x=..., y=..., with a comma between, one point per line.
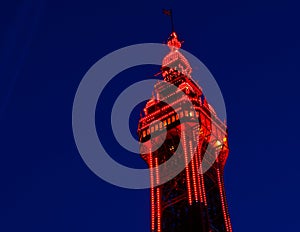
x=251, y=47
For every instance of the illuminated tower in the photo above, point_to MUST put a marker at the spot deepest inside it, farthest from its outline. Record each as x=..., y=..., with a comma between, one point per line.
x=194, y=200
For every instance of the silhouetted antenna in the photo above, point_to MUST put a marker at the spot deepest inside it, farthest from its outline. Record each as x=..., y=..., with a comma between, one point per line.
x=170, y=14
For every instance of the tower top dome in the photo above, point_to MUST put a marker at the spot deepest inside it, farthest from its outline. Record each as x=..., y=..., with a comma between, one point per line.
x=173, y=41
x=175, y=60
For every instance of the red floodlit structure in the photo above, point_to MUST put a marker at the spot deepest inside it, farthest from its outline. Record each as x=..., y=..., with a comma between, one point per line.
x=194, y=200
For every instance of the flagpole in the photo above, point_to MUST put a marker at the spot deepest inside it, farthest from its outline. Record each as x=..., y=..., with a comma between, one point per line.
x=170, y=14
x=172, y=22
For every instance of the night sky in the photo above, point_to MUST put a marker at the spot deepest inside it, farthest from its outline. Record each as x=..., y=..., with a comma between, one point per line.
x=251, y=47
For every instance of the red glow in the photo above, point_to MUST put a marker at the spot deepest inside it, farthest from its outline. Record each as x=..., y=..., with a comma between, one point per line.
x=152, y=191
x=158, y=198
x=197, y=186
x=187, y=169
x=194, y=173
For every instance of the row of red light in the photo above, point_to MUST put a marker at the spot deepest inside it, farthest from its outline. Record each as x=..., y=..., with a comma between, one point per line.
x=201, y=175
x=169, y=58
x=217, y=125
x=187, y=168
x=173, y=56
x=173, y=103
x=195, y=184
x=158, y=198
x=199, y=166
x=151, y=116
x=165, y=117
x=167, y=107
x=166, y=121
x=202, y=186
x=228, y=227
x=228, y=217
x=152, y=191
x=200, y=157
x=226, y=207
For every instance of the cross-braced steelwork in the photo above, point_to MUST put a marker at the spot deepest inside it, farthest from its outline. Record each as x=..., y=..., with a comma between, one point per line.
x=194, y=200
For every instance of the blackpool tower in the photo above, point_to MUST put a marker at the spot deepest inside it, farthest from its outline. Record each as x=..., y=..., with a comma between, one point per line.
x=194, y=200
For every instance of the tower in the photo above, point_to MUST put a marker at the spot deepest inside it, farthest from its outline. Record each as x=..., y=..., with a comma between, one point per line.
x=195, y=199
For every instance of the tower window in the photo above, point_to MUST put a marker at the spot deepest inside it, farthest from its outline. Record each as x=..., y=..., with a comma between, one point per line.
x=173, y=118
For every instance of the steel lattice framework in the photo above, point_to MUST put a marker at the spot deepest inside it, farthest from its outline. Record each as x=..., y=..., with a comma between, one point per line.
x=193, y=200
